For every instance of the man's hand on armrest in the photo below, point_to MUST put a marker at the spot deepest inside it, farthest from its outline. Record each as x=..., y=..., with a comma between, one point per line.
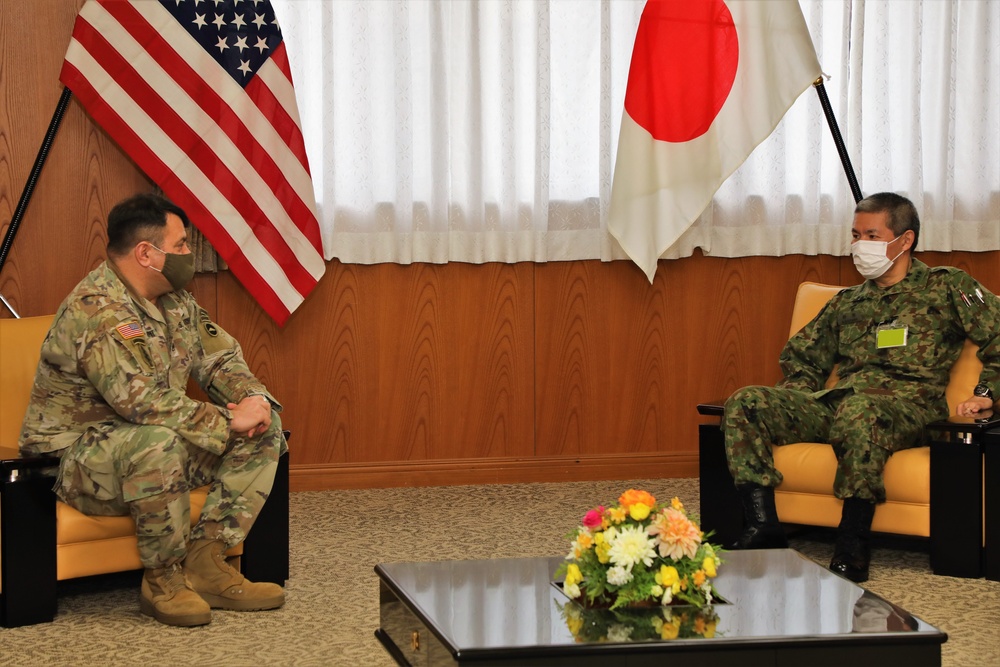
x=975, y=406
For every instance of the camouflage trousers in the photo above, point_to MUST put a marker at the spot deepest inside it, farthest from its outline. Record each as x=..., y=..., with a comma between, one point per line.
x=863, y=429
x=120, y=468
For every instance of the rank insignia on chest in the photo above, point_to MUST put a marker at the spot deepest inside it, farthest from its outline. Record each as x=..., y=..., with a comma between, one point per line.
x=130, y=330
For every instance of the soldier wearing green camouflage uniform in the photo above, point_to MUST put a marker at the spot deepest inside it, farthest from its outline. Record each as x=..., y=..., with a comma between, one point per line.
x=884, y=395
x=110, y=400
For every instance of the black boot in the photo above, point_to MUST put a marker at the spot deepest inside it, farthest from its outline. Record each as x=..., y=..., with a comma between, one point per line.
x=852, y=552
x=761, y=529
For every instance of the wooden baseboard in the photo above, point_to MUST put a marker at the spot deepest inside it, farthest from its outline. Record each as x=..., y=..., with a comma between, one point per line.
x=491, y=471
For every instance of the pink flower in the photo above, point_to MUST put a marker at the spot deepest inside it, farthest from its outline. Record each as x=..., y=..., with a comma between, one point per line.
x=678, y=536
x=594, y=517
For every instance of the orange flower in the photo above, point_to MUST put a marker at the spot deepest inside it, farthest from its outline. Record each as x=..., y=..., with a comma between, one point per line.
x=633, y=496
x=699, y=577
x=678, y=536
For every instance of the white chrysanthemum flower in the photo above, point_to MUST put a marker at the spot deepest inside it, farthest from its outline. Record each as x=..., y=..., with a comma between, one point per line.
x=619, y=576
x=632, y=545
x=619, y=633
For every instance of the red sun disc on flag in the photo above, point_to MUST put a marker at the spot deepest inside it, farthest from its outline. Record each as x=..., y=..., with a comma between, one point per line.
x=683, y=67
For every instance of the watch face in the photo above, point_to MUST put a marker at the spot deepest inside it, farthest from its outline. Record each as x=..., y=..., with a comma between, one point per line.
x=982, y=390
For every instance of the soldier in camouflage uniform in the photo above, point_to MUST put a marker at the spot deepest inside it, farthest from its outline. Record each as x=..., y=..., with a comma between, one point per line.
x=110, y=400
x=894, y=339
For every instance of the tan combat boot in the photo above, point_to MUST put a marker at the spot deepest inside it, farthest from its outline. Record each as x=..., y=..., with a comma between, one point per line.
x=168, y=597
x=221, y=586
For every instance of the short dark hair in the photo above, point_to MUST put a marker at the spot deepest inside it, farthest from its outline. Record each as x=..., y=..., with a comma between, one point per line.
x=902, y=213
x=139, y=218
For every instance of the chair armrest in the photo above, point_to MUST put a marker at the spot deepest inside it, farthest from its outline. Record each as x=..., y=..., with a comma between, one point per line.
x=13, y=464
x=965, y=429
x=711, y=409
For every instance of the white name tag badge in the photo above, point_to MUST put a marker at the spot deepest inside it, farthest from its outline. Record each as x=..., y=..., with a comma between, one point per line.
x=892, y=334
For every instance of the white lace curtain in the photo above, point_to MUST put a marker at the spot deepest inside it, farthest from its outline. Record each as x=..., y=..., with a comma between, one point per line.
x=486, y=130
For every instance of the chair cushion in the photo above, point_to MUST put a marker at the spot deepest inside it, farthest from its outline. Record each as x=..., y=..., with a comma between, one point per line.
x=809, y=467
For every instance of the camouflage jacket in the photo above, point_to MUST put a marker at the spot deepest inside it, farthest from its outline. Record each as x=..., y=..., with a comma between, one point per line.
x=930, y=303
x=113, y=355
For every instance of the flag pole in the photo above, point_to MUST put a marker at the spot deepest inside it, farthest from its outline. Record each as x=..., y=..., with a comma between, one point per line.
x=29, y=186
x=831, y=120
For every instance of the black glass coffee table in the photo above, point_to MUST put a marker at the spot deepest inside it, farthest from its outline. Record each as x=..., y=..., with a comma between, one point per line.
x=780, y=609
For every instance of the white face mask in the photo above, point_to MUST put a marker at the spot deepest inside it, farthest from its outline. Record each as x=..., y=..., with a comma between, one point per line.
x=870, y=259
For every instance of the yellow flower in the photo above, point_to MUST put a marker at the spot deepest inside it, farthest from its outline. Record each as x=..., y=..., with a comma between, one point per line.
x=585, y=540
x=603, y=551
x=573, y=575
x=709, y=630
x=574, y=625
x=670, y=630
x=639, y=511
x=667, y=576
x=677, y=504
x=617, y=514
x=699, y=577
x=709, y=566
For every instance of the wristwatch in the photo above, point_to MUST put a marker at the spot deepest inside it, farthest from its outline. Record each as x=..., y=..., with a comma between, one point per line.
x=983, y=391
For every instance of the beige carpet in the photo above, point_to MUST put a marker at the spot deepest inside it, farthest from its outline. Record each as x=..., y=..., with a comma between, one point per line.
x=339, y=536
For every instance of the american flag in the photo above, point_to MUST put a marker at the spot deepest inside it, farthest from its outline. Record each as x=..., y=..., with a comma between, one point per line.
x=130, y=330
x=199, y=94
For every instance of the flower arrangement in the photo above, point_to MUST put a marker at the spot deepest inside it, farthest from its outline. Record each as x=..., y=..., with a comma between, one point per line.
x=639, y=552
x=638, y=624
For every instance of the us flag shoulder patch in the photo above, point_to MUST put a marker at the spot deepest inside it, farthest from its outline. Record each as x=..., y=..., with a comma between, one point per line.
x=130, y=330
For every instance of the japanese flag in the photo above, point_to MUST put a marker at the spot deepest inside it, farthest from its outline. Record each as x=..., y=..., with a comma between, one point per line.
x=709, y=80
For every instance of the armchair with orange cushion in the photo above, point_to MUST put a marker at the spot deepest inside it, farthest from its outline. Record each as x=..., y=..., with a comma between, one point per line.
x=950, y=471
x=43, y=540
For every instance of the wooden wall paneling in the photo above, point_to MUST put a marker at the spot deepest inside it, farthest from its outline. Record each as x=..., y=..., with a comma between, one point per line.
x=489, y=319
x=572, y=396
x=640, y=360
x=739, y=312
x=328, y=366
x=396, y=363
x=63, y=233
x=439, y=330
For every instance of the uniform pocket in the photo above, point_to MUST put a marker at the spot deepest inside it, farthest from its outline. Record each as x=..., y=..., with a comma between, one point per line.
x=88, y=469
